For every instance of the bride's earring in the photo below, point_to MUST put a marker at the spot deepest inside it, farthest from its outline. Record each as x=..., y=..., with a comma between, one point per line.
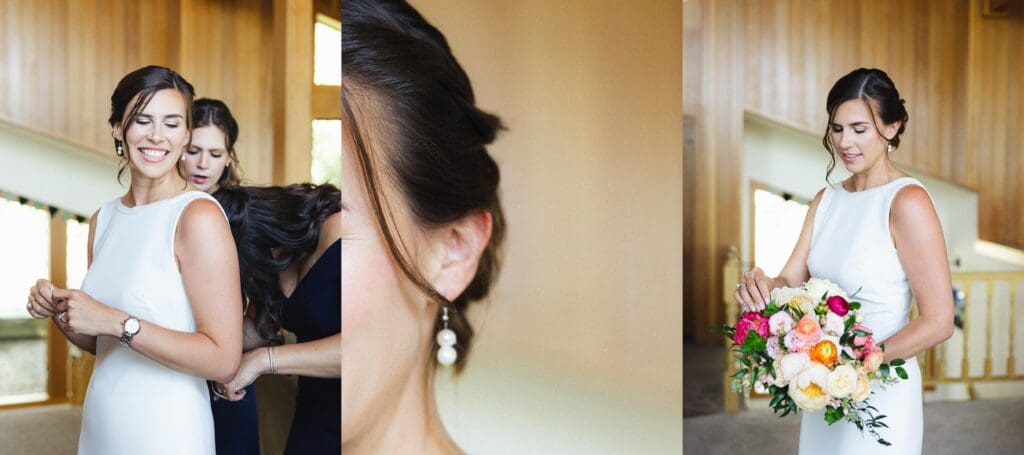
x=446, y=339
x=120, y=150
x=890, y=147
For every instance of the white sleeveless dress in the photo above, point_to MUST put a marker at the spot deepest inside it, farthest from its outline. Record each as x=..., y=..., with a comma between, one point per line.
x=852, y=247
x=135, y=405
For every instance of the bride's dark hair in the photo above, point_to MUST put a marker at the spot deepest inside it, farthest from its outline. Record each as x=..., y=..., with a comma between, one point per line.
x=402, y=79
x=874, y=87
x=263, y=219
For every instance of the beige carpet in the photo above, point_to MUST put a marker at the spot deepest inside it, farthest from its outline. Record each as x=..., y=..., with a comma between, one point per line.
x=50, y=430
x=977, y=427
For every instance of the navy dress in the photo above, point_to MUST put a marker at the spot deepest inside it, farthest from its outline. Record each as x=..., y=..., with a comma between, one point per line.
x=236, y=429
x=312, y=312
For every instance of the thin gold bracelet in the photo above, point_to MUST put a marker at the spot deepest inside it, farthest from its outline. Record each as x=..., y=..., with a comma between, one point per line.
x=270, y=353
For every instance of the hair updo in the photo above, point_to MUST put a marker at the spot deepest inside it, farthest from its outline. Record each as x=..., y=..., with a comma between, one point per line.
x=434, y=135
x=868, y=84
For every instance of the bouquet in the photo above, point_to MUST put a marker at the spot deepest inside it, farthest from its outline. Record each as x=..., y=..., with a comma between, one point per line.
x=808, y=350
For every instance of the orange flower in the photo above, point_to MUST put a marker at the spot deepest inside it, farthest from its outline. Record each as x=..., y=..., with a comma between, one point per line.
x=825, y=353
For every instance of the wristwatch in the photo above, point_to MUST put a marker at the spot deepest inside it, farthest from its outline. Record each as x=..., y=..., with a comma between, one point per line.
x=130, y=327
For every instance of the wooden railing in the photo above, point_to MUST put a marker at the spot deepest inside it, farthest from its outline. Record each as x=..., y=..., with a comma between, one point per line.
x=992, y=303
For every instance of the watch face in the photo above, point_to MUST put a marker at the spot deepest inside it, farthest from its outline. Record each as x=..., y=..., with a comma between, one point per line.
x=131, y=325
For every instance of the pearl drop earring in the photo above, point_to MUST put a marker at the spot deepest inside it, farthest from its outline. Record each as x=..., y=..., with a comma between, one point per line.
x=446, y=339
x=120, y=151
x=890, y=147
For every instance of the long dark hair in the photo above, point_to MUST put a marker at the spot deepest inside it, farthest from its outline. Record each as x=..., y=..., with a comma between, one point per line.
x=211, y=112
x=869, y=85
x=144, y=83
x=287, y=219
x=394, y=61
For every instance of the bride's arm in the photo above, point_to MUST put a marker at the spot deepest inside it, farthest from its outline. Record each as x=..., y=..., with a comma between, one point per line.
x=922, y=251
x=209, y=266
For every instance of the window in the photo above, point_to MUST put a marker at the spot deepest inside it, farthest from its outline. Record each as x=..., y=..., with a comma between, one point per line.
x=326, y=52
x=326, y=152
x=326, y=160
x=28, y=240
x=778, y=220
x=25, y=243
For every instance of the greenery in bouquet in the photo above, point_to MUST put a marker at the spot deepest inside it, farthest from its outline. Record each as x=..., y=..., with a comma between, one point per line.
x=809, y=351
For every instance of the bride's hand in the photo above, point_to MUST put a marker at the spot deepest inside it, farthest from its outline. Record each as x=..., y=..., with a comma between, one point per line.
x=40, y=300
x=754, y=290
x=254, y=363
x=88, y=316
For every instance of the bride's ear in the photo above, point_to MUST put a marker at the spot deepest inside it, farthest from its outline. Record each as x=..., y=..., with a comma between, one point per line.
x=116, y=133
x=460, y=247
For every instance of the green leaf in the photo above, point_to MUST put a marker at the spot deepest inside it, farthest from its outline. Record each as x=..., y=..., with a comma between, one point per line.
x=897, y=362
x=739, y=373
x=901, y=373
x=824, y=296
x=860, y=332
x=884, y=369
x=744, y=361
x=833, y=415
x=854, y=305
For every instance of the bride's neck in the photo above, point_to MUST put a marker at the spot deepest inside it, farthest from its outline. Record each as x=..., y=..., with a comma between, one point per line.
x=413, y=424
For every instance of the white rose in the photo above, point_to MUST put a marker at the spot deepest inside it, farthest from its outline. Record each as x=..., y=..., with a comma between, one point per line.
x=792, y=364
x=863, y=389
x=834, y=324
x=805, y=302
x=842, y=381
x=817, y=286
x=808, y=387
x=782, y=296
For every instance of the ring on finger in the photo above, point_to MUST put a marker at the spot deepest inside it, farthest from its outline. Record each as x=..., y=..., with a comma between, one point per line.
x=62, y=317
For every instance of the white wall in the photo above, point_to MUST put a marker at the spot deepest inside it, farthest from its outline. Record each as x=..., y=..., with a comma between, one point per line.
x=795, y=161
x=580, y=348
x=55, y=173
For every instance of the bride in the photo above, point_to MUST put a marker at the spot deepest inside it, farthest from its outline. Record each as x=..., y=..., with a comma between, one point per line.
x=158, y=324
x=876, y=231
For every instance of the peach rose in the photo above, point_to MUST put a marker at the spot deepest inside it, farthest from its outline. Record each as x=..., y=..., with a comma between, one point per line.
x=873, y=360
x=808, y=329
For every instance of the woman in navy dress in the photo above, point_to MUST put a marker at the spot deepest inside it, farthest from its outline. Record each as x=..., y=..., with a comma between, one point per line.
x=289, y=252
x=210, y=163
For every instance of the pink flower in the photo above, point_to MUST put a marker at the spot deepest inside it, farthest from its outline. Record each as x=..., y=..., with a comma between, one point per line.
x=794, y=343
x=774, y=347
x=862, y=344
x=838, y=305
x=873, y=360
x=751, y=320
x=780, y=323
x=808, y=329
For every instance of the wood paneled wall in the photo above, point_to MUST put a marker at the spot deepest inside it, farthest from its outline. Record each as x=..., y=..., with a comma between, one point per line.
x=61, y=59
x=959, y=73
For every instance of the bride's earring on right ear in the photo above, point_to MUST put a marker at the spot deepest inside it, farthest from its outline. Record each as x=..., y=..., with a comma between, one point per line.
x=120, y=150
x=446, y=339
x=890, y=147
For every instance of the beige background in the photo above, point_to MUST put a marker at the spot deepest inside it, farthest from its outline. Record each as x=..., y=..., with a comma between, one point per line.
x=580, y=347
